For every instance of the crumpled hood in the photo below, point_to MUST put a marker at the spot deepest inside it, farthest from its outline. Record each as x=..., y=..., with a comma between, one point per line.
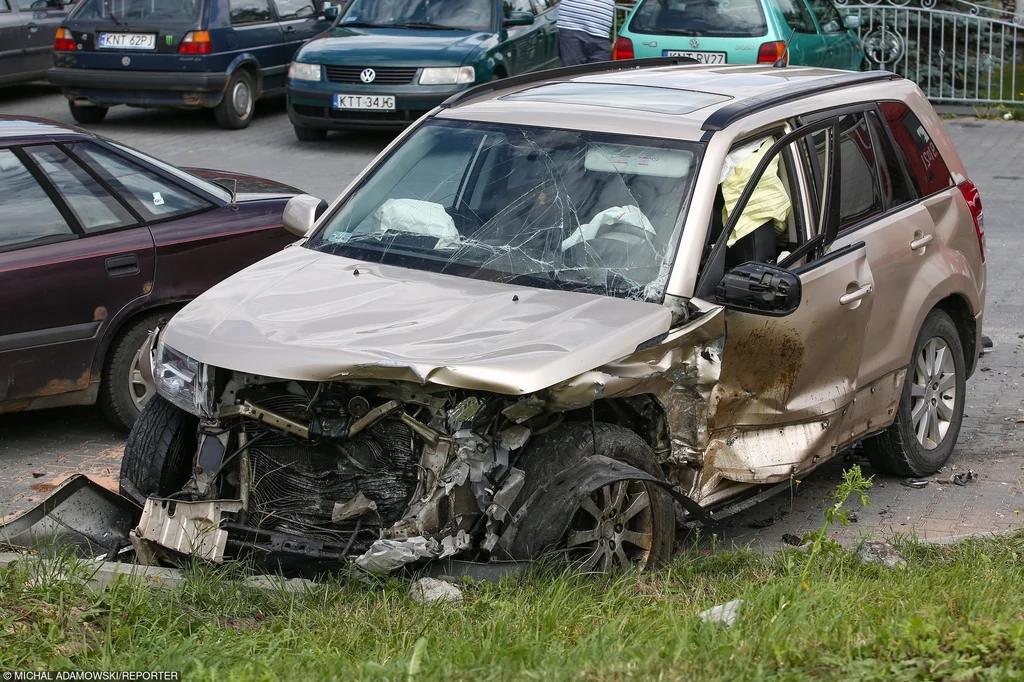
x=304, y=315
x=384, y=47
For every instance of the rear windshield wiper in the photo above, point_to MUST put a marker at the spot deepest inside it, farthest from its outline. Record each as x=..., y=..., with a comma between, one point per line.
x=114, y=17
x=425, y=24
x=681, y=32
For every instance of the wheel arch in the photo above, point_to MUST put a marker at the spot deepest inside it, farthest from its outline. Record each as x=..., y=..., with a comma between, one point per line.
x=122, y=322
x=959, y=310
x=246, y=62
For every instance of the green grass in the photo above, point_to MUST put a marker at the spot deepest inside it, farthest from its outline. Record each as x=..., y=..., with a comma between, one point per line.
x=953, y=613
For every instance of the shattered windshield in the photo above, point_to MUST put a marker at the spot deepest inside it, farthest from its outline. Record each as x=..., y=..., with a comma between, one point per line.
x=568, y=210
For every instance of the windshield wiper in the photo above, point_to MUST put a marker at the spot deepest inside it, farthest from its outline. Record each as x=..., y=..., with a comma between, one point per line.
x=362, y=24
x=425, y=24
x=680, y=32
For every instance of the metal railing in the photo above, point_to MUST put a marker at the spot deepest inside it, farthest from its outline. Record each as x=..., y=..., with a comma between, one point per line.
x=959, y=52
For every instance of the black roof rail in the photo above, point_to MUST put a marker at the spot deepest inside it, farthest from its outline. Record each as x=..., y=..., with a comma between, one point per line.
x=563, y=72
x=731, y=113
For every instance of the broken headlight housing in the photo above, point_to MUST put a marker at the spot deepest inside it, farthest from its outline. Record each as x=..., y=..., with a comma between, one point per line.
x=184, y=381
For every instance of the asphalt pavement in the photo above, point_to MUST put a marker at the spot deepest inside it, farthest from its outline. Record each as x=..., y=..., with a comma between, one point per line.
x=39, y=449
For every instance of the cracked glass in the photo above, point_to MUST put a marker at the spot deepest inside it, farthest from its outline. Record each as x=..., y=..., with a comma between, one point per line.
x=566, y=210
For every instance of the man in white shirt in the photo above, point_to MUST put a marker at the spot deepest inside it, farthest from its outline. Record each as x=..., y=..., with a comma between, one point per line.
x=584, y=31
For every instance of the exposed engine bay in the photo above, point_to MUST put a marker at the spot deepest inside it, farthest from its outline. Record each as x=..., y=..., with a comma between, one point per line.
x=385, y=474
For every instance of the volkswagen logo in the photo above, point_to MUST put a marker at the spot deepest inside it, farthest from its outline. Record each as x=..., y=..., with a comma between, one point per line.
x=694, y=43
x=125, y=61
x=367, y=75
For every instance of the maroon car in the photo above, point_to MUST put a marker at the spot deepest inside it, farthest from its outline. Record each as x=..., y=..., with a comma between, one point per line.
x=98, y=244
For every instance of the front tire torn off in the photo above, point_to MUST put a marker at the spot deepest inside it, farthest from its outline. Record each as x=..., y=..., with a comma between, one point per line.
x=158, y=455
x=567, y=454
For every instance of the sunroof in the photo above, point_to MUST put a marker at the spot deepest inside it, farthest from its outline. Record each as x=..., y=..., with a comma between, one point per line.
x=619, y=96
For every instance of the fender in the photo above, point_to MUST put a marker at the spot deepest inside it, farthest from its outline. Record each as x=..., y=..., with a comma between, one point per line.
x=246, y=59
x=546, y=513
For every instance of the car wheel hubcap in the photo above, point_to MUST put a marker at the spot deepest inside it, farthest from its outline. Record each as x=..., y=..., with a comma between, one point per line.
x=933, y=393
x=241, y=99
x=612, y=528
x=140, y=377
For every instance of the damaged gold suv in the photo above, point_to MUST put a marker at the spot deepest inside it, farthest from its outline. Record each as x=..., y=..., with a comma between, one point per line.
x=564, y=313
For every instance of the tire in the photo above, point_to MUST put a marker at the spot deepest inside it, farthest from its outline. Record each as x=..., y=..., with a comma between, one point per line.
x=87, y=114
x=307, y=134
x=565, y=447
x=235, y=111
x=159, y=453
x=900, y=449
x=123, y=393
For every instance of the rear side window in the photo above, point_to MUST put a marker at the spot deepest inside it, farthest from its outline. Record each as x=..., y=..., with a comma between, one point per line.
x=860, y=196
x=294, y=9
x=152, y=197
x=892, y=180
x=150, y=11
x=712, y=18
x=928, y=171
x=92, y=205
x=28, y=215
x=249, y=12
x=797, y=16
x=827, y=16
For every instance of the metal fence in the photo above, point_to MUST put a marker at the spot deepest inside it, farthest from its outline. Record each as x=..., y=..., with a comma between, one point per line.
x=956, y=52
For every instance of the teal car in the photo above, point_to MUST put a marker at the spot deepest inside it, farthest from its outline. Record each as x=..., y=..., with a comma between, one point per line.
x=742, y=32
x=385, y=63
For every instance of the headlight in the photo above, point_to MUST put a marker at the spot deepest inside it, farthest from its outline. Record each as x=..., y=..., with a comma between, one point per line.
x=185, y=382
x=448, y=75
x=304, y=72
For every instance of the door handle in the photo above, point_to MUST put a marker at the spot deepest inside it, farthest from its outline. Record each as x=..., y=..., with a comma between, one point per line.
x=856, y=295
x=33, y=28
x=921, y=242
x=120, y=266
x=289, y=29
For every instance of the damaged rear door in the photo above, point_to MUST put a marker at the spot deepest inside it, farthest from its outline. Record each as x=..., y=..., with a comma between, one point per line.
x=789, y=375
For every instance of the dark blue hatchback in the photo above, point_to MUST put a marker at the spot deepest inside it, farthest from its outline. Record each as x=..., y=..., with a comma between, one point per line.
x=219, y=54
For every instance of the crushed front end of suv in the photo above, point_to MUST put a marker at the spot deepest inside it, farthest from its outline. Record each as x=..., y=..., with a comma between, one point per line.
x=508, y=338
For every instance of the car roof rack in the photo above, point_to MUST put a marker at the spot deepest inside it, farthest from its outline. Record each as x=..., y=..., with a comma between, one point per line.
x=730, y=113
x=563, y=72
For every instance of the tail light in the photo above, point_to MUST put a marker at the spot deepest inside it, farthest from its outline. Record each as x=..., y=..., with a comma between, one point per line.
x=973, y=198
x=769, y=53
x=195, y=42
x=623, y=49
x=64, y=41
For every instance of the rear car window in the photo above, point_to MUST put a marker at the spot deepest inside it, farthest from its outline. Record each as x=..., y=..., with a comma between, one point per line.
x=152, y=197
x=860, y=196
x=928, y=171
x=27, y=214
x=721, y=18
x=249, y=12
x=92, y=205
x=150, y=11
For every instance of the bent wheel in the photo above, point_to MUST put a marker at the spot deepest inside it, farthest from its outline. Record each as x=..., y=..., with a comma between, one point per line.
x=612, y=528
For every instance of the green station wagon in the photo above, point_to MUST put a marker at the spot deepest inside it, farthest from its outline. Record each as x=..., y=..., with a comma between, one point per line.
x=742, y=32
x=387, y=64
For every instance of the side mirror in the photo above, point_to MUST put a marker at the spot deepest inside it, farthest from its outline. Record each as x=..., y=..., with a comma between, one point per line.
x=851, y=22
x=331, y=12
x=761, y=289
x=301, y=212
x=518, y=18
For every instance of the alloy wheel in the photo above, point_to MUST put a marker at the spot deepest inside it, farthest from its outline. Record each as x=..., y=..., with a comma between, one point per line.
x=933, y=393
x=141, y=384
x=612, y=528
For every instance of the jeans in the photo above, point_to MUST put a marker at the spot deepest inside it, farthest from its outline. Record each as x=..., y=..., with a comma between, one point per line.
x=577, y=47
